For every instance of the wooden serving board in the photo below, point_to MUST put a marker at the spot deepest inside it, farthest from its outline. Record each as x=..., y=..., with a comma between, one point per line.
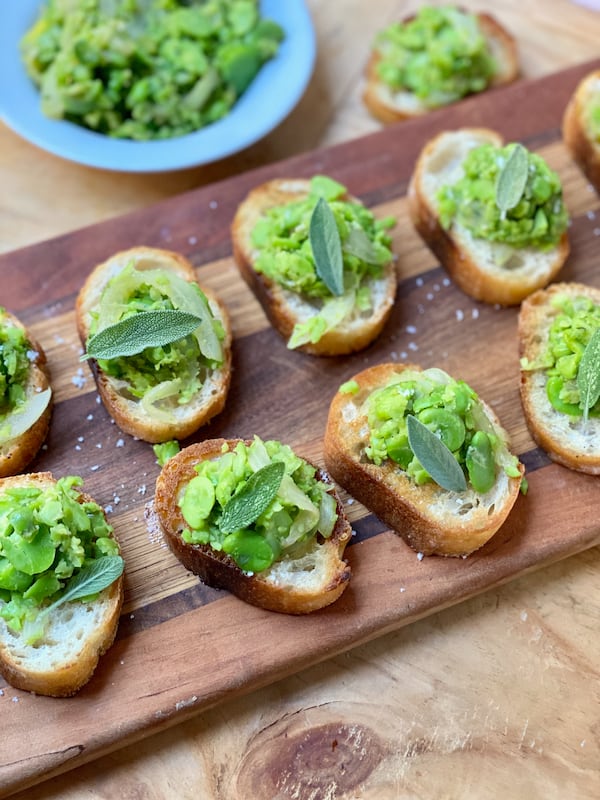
x=181, y=646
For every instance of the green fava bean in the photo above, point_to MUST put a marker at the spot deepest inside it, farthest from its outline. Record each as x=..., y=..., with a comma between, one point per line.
x=198, y=501
x=553, y=390
x=447, y=424
x=250, y=551
x=480, y=462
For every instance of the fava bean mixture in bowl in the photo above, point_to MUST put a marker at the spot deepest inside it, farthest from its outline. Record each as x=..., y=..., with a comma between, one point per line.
x=146, y=69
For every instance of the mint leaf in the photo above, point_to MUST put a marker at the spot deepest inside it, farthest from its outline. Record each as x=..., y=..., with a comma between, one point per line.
x=253, y=498
x=327, y=247
x=435, y=457
x=133, y=334
x=512, y=179
x=588, y=375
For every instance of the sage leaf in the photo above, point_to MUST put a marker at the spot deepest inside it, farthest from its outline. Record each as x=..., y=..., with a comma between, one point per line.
x=435, y=457
x=134, y=334
x=253, y=498
x=588, y=375
x=358, y=244
x=327, y=247
x=512, y=179
x=90, y=580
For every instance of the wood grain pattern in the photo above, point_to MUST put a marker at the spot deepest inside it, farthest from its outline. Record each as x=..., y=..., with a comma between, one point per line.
x=137, y=690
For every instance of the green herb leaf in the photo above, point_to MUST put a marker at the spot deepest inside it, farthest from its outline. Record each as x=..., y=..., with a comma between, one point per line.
x=588, y=375
x=358, y=244
x=435, y=457
x=512, y=179
x=133, y=334
x=92, y=579
x=254, y=497
x=327, y=247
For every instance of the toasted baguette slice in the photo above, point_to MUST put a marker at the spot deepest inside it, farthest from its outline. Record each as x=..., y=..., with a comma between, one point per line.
x=77, y=632
x=566, y=439
x=314, y=579
x=285, y=308
x=128, y=412
x=430, y=519
x=388, y=105
x=576, y=131
x=17, y=453
x=493, y=272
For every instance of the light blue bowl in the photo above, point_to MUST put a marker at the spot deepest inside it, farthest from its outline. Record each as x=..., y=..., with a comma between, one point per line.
x=272, y=95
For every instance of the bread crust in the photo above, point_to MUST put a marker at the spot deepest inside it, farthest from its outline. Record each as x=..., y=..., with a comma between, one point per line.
x=389, y=106
x=567, y=440
x=16, y=454
x=430, y=519
x=64, y=675
x=128, y=413
x=457, y=250
x=281, y=306
x=220, y=570
x=584, y=150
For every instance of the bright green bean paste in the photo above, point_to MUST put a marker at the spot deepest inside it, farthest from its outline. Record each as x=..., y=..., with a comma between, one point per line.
x=284, y=254
x=301, y=508
x=576, y=320
x=172, y=374
x=452, y=411
x=14, y=366
x=146, y=69
x=538, y=220
x=440, y=55
x=46, y=537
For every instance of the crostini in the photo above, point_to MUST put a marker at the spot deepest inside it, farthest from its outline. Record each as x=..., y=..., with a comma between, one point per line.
x=61, y=584
x=556, y=326
x=493, y=214
x=25, y=396
x=435, y=58
x=370, y=446
x=164, y=391
x=581, y=127
x=254, y=518
x=274, y=237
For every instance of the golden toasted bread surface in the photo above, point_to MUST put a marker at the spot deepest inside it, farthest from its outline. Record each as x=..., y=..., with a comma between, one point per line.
x=291, y=585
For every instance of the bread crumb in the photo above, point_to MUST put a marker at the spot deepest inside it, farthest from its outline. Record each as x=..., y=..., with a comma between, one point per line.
x=90, y=417
x=420, y=556
x=77, y=447
x=1, y=692
x=460, y=315
x=15, y=699
x=411, y=329
x=213, y=204
x=596, y=231
x=413, y=346
x=80, y=438
x=523, y=616
x=193, y=240
x=108, y=509
x=419, y=281
x=446, y=282
x=120, y=443
x=429, y=295
x=475, y=313
x=142, y=489
x=402, y=589
x=95, y=467
x=99, y=445
x=591, y=214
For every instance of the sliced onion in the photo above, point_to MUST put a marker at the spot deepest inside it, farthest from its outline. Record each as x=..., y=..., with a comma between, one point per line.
x=22, y=420
x=161, y=391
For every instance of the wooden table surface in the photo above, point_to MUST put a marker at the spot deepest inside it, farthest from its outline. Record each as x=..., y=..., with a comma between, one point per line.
x=495, y=697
